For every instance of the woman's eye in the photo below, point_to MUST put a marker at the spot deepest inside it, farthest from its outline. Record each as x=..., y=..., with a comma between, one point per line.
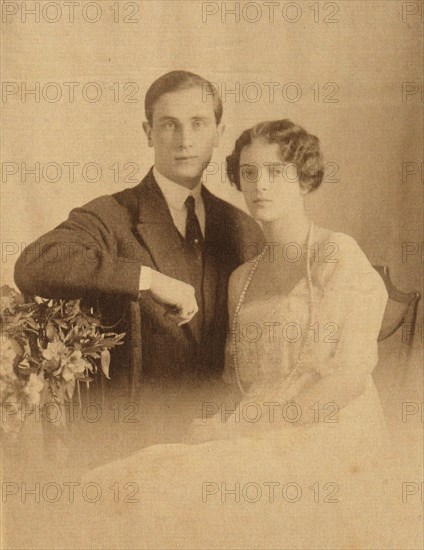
x=198, y=123
x=249, y=173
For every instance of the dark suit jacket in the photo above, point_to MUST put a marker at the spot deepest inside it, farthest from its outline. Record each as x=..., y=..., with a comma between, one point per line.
x=96, y=255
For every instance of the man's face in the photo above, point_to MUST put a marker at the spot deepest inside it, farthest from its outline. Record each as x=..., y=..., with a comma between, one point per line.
x=183, y=134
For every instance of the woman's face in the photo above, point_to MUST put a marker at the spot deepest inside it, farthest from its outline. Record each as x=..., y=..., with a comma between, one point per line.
x=270, y=186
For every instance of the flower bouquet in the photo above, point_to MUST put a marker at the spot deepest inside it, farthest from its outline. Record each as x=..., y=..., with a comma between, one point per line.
x=48, y=347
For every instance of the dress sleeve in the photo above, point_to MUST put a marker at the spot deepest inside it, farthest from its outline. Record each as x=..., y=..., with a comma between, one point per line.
x=350, y=300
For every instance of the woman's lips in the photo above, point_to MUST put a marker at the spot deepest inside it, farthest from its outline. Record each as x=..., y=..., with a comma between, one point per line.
x=262, y=201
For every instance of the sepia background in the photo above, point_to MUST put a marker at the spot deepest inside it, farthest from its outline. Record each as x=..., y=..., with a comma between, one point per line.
x=373, y=134
x=348, y=71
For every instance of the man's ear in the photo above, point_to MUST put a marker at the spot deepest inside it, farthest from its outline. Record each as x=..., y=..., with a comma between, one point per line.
x=219, y=131
x=148, y=131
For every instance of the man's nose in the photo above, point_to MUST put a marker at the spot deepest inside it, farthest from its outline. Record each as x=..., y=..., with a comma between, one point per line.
x=185, y=137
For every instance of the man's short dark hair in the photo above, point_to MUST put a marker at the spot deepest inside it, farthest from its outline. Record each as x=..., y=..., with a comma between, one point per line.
x=180, y=80
x=296, y=146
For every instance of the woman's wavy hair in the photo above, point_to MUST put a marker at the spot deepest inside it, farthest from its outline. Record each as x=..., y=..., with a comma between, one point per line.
x=296, y=146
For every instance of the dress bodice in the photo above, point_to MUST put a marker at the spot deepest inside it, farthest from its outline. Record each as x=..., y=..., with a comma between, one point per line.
x=349, y=299
x=270, y=333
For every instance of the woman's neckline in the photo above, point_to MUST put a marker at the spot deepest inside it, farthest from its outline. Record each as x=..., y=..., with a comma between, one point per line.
x=275, y=297
x=286, y=295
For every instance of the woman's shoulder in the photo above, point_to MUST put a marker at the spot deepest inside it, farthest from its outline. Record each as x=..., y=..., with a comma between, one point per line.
x=336, y=249
x=342, y=258
x=342, y=242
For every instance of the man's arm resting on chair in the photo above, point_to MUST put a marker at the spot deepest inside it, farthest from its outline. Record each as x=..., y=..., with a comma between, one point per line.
x=81, y=258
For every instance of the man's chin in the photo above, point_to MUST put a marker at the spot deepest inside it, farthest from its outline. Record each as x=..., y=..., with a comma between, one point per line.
x=184, y=175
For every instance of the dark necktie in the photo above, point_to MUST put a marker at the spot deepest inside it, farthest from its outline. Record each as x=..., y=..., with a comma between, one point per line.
x=194, y=246
x=193, y=236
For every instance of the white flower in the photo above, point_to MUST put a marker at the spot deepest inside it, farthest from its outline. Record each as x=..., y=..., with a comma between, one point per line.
x=74, y=364
x=8, y=378
x=7, y=356
x=55, y=351
x=33, y=388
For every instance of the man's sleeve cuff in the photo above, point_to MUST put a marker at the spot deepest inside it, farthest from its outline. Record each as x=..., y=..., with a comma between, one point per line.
x=145, y=278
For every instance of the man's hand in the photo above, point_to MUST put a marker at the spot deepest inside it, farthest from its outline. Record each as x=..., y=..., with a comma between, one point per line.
x=176, y=297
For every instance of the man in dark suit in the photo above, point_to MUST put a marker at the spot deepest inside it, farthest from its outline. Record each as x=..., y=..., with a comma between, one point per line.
x=156, y=258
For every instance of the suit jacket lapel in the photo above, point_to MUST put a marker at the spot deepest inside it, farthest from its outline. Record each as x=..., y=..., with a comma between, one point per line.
x=160, y=236
x=213, y=266
x=158, y=232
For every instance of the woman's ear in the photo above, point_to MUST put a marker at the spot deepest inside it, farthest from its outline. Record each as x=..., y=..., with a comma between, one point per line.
x=148, y=131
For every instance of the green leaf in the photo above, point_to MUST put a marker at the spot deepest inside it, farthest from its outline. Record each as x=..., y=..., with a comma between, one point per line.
x=51, y=332
x=31, y=323
x=92, y=354
x=70, y=388
x=105, y=362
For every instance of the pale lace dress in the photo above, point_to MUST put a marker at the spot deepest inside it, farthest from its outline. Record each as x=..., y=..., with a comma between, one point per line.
x=185, y=498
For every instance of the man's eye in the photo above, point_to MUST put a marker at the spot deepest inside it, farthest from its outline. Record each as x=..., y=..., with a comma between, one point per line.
x=168, y=124
x=198, y=123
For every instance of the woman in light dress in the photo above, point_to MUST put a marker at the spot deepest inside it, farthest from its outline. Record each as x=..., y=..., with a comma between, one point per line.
x=293, y=460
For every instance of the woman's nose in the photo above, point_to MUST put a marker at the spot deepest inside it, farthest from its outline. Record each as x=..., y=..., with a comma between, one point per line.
x=263, y=181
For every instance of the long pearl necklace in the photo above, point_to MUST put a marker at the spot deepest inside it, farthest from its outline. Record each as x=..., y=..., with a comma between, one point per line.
x=240, y=302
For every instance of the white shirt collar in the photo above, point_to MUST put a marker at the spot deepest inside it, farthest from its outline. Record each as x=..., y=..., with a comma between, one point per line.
x=174, y=193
